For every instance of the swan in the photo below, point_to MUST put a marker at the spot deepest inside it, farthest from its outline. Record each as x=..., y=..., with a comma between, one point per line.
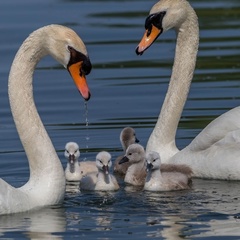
x=127, y=137
x=103, y=180
x=215, y=152
x=46, y=184
x=174, y=177
x=136, y=172
x=76, y=170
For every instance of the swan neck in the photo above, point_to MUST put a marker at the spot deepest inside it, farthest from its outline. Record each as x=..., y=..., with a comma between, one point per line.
x=42, y=157
x=164, y=132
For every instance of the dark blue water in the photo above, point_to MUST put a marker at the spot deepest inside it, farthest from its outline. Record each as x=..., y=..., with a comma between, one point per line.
x=127, y=90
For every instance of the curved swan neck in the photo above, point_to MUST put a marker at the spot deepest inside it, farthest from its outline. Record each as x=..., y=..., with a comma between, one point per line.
x=28, y=123
x=182, y=73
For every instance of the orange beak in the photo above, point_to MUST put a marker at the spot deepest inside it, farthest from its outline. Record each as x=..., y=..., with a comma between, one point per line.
x=148, y=39
x=79, y=79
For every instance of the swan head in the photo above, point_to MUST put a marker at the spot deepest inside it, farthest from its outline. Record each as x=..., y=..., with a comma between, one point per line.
x=103, y=161
x=135, y=153
x=164, y=15
x=153, y=161
x=72, y=154
x=128, y=137
x=67, y=48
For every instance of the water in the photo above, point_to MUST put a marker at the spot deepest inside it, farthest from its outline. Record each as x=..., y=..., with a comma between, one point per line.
x=127, y=90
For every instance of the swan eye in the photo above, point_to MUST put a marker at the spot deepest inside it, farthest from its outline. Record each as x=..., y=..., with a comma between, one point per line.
x=75, y=57
x=70, y=48
x=154, y=19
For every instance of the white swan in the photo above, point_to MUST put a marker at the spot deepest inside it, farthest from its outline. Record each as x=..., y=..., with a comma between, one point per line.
x=215, y=152
x=173, y=177
x=103, y=180
x=46, y=184
x=136, y=172
x=127, y=137
x=75, y=170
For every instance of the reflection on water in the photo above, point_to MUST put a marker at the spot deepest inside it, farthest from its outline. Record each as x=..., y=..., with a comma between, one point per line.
x=126, y=91
x=72, y=187
x=43, y=224
x=170, y=215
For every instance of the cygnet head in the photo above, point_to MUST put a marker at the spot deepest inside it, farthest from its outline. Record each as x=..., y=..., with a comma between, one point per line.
x=134, y=154
x=103, y=161
x=72, y=154
x=128, y=137
x=153, y=161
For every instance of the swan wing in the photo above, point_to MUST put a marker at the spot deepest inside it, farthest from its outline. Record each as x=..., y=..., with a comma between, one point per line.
x=219, y=130
x=221, y=160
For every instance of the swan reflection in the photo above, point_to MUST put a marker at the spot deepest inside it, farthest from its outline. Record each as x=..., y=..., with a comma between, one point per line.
x=47, y=223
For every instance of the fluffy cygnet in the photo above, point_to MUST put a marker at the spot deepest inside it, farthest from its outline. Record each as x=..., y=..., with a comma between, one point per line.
x=136, y=172
x=103, y=180
x=127, y=137
x=75, y=170
x=166, y=177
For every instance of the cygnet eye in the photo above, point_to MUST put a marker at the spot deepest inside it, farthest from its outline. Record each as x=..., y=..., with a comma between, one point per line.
x=70, y=48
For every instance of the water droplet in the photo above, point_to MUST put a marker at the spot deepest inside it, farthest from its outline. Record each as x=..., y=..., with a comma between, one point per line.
x=87, y=123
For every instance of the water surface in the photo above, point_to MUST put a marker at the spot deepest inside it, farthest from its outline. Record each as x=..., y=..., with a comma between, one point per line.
x=127, y=90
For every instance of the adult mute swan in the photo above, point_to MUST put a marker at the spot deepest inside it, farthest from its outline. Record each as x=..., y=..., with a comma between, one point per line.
x=46, y=184
x=75, y=170
x=215, y=152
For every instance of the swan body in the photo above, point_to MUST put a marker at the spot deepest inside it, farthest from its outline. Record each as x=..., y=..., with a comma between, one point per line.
x=75, y=170
x=136, y=172
x=127, y=137
x=103, y=180
x=215, y=152
x=46, y=184
x=173, y=177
